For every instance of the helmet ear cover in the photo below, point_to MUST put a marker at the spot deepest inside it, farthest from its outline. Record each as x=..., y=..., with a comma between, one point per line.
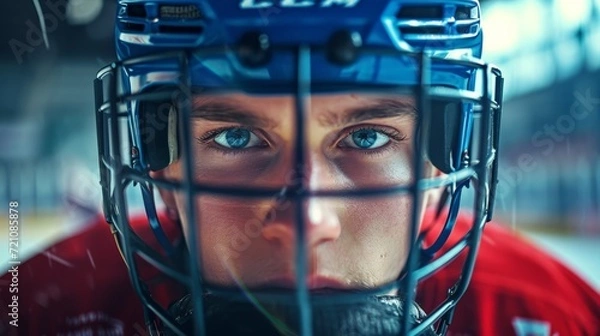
x=444, y=134
x=158, y=133
x=159, y=138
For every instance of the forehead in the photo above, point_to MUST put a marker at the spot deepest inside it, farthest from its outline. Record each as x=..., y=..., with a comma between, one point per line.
x=282, y=102
x=329, y=110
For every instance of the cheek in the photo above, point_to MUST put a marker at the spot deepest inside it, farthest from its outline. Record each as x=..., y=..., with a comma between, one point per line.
x=228, y=231
x=376, y=233
x=215, y=228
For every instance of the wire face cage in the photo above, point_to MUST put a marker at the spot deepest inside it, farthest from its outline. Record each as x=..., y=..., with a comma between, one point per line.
x=145, y=123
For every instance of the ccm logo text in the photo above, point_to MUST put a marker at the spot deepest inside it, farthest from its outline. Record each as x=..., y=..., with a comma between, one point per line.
x=253, y=4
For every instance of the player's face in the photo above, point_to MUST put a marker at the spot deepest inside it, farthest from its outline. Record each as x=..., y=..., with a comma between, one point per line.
x=352, y=141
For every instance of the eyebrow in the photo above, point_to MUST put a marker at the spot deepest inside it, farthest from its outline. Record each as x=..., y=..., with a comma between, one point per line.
x=228, y=112
x=380, y=109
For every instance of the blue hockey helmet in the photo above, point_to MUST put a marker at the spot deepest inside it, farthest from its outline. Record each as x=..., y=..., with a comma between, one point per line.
x=172, y=51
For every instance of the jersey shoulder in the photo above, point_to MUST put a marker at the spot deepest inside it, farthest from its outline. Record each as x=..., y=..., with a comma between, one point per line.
x=518, y=288
x=77, y=286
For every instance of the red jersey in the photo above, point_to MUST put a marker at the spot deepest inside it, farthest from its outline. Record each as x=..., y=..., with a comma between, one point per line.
x=80, y=286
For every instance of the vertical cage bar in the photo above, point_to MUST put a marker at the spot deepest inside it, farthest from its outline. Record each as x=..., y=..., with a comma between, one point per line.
x=195, y=267
x=423, y=106
x=100, y=117
x=302, y=92
x=498, y=97
x=116, y=162
x=482, y=195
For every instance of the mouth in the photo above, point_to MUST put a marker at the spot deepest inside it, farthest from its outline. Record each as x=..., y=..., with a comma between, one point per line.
x=314, y=284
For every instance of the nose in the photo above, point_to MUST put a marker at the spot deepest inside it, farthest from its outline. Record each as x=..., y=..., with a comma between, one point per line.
x=321, y=224
x=320, y=217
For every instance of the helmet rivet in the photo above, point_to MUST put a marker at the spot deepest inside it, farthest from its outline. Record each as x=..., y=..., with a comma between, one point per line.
x=254, y=49
x=343, y=47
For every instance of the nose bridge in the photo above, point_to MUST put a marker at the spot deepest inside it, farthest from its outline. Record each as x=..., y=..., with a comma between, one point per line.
x=320, y=218
x=318, y=173
x=314, y=172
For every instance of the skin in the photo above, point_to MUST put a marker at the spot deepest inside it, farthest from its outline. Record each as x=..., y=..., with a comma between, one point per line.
x=360, y=242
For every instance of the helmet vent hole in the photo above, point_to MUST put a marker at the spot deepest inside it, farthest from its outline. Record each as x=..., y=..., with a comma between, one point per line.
x=136, y=10
x=438, y=22
x=423, y=30
x=421, y=12
x=173, y=29
x=134, y=27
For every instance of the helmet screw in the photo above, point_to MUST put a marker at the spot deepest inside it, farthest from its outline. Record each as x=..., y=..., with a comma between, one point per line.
x=465, y=158
x=452, y=290
x=343, y=47
x=254, y=49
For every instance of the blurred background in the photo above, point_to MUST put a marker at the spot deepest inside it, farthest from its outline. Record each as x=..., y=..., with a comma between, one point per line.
x=549, y=51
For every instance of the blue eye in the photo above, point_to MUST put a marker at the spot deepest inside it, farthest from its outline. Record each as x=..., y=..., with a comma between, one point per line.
x=367, y=138
x=237, y=138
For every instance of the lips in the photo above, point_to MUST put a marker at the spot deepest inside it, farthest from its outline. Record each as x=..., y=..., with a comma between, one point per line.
x=313, y=283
